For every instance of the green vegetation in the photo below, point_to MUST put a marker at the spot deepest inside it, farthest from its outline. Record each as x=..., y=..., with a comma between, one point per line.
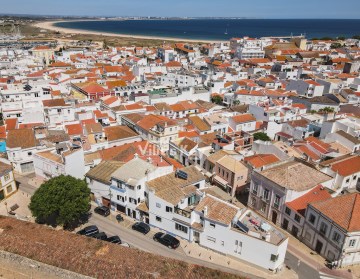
x=335, y=45
x=327, y=110
x=217, y=99
x=63, y=200
x=261, y=136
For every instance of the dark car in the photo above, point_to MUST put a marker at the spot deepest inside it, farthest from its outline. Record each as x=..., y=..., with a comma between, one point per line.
x=114, y=239
x=100, y=235
x=141, y=227
x=89, y=231
x=102, y=210
x=167, y=240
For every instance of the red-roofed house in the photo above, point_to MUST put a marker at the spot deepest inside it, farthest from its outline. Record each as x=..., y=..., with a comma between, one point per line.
x=243, y=122
x=345, y=170
x=294, y=211
x=332, y=229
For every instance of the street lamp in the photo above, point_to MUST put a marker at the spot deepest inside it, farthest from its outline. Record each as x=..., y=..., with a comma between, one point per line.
x=6, y=208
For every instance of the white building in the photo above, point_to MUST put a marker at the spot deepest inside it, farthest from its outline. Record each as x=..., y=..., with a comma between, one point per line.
x=334, y=236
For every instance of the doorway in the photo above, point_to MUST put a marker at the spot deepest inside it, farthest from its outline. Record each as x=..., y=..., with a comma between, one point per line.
x=318, y=247
x=294, y=231
x=285, y=224
x=274, y=217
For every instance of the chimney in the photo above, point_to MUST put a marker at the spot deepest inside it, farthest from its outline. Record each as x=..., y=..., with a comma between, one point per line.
x=149, y=160
x=136, y=155
x=205, y=211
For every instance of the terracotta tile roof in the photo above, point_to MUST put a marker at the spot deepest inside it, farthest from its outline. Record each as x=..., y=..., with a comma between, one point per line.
x=259, y=160
x=199, y=123
x=118, y=132
x=342, y=210
x=243, y=118
x=74, y=129
x=2, y=132
x=24, y=138
x=93, y=128
x=303, y=149
x=149, y=121
x=11, y=123
x=54, y=103
x=348, y=166
x=187, y=144
x=217, y=210
x=319, y=193
x=290, y=175
x=172, y=189
x=104, y=170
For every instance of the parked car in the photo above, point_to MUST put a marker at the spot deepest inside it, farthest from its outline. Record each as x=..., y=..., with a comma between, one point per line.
x=89, y=231
x=167, y=240
x=102, y=210
x=100, y=235
x=114, y=239
x=141, y=227
x=119, y=218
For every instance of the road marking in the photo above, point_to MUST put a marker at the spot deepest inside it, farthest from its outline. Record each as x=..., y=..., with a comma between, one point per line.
x=326, y=276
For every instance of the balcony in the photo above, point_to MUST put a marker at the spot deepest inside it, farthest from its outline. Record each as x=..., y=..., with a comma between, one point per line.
x=122, y=190
x=182, y=212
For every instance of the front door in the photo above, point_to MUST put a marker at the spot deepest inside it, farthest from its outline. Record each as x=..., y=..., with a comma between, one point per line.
x=318, y=247
x=294, y=231
x=274, y=217
x=285, y=224
x=196, y=236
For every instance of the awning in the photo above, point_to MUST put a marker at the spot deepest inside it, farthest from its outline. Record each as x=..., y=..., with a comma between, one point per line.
x=221, y=181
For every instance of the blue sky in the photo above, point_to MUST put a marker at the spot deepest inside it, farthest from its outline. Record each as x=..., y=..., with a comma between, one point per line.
x=235, y=8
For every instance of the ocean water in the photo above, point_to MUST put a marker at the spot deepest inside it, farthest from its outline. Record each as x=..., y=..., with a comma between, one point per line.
x=223, y=29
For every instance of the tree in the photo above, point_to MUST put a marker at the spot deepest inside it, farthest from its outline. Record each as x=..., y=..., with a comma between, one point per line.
x=63, y=200
x=217, y=99
x=261, y=136
x=335, y=45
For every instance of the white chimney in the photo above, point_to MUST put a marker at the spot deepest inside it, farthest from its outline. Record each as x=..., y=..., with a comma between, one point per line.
x=136, y=155
x=205, y=211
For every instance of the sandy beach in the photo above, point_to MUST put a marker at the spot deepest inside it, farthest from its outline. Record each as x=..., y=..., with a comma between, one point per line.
x=50, y=25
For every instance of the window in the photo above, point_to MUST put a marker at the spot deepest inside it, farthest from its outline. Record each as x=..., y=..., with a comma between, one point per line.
x=297, y=218
x=6, y=177
x=255, y=189
x=168, y=209
x=352, y=243
x=36, y=94
x=58, y=110
x=288, y=211
x=212, y=225
x=222, y=243
x=312, y=218
x=29, y=153
x=347, y=180
x=277, y=201
x=336, y=237
x=263, y=206
x=274, y=258
x=139, y=187
x=211, y=239
x=158, y=205
x=266, y=194
x=181, y=228
x=9, y=189
x=323, y=228
x=158, y=219
x=238, y=247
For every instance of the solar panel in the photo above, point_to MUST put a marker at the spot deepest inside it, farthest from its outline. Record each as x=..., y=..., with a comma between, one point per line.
x=181, y=174
x=242, y=227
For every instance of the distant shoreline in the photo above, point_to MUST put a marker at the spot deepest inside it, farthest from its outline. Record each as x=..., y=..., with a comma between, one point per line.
x=50, y=25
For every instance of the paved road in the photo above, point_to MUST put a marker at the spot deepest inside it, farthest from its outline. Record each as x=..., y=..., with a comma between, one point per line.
x=303, y=270
x=146, y=243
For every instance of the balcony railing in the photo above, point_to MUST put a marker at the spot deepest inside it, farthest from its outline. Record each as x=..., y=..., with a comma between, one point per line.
x=182, y=212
